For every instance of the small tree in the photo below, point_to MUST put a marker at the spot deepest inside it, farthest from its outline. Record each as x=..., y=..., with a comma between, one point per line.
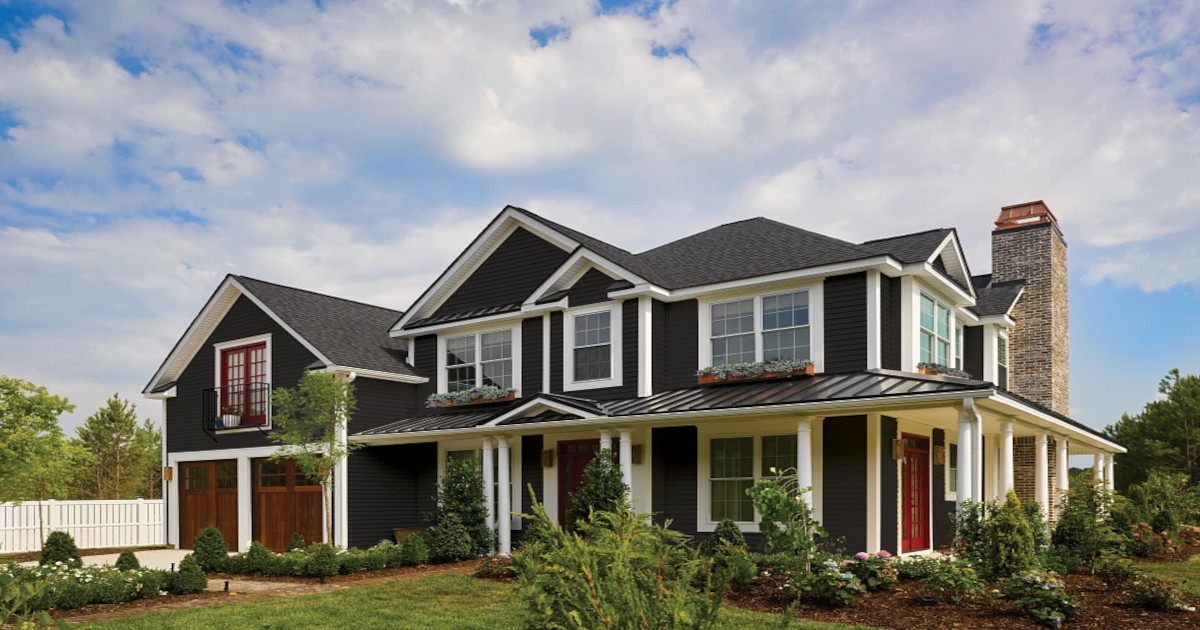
x=602, y=489
x=787, y=521
x=1082, y=525
x=310, y=426
x=460, y=495
x=1008, y=540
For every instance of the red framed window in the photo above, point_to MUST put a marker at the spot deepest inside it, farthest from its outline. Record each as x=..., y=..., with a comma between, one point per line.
x=245, y=393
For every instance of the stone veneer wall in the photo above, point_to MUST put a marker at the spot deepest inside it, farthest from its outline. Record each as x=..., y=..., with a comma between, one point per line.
x=1038, y=359
x=1025, y=471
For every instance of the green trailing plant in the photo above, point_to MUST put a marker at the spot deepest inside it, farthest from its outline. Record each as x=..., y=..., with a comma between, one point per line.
x=952, y=582
x=189, y=579
x=1008, y=547
x=449, y=540
x=618, y=571
x=877, y=572
x=1042, y=597
x=830, y=584
x=946, y=370
x=601, y=490
x=60, y=547
x=727, y=534
x=414, y=551
x=752, y=369
x=210, y=550
x=787, y=522
x=127, y=561
x=460, y=495
x=296, y=543
x=464, y=396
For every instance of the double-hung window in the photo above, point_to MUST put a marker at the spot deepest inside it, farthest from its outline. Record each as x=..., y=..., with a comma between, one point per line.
x=734, y=463
x=935, y=331
x=958, y=348
x=952, y=469
x=479, y=359
x=593, y=346
x=1002, y=351
x=780, y=331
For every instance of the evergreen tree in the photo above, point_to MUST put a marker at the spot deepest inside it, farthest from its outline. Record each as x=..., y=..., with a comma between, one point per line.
x=110, y=436
x=602, y=489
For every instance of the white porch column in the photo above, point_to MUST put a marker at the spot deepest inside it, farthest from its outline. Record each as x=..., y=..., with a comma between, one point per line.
x=977, y=456
x=489, y=484
x=1042, y=472
x=626, y=459
x=1006, y=457
x=341, y=495
x=245, y=499
x=1110, y=482
x=804, y=466
x=1098, y=466
x=965, y=467
x=1064, y=466
x=606, y=440
x=504, y=509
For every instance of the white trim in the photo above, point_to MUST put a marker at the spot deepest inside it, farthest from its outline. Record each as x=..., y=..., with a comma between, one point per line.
x=575, y=267
x=874, y=333
x=1058, y=425
x=163, y=395
x=218, y=348
x=189, y=344
x=490, y=320
x=959, y=271
x=377, y=375
x=645, y=347
x=705, y=434
x=539, y=404
x=546, y=352
x=947, y=493
x=505, y=223
x=477, y=332
x=945, y=285
x=616, y=311
x=816, y=321
x=921, y=330
x=875, y=481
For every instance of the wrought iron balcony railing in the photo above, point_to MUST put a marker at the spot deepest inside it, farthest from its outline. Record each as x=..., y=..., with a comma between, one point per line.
x=236, y=406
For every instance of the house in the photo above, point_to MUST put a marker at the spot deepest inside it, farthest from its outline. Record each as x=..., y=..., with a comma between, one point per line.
x=602, y=348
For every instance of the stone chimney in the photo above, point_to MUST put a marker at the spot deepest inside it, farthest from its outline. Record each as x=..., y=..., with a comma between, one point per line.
x=1028, y=244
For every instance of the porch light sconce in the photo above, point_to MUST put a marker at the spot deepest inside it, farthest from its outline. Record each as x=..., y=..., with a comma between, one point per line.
x=637, y=454
x=939, y=456
x=548, y=458
x=897, y=450
x=168, y=473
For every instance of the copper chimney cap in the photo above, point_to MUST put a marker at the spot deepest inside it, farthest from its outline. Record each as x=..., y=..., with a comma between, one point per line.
x=1025, y=214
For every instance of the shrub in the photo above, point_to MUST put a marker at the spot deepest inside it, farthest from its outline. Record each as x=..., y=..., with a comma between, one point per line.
x=257, y=558
x=1165, y=522
x=64, y=587
x=602, y=489
x=292, y=563
x=952, y=582
x=734, y=564
x=1036, y=517
x=352, y=561
x=460, y=494
x=916, y=567
x=391, y=553
x=727, y=533
x=210, y=550
x=152, y=583
x=1115, y=571
x=296, y=543
x=1059, y=560
x=787, y=522
x=877, y=572
x=829, y=584
x=1146, y=542
x=1008, y=547
x=495, y=568
x=60, y=547
x=970, y=536
x=1043, y=598
x=1081, y=525
x=17, y=595
x=414, y=551
x=189, y=579
x=449, y=540
x=322, y=561
x=619, y=571
x=779, y=585
x=777, y=562
x=127, y=561
x=1156, y=594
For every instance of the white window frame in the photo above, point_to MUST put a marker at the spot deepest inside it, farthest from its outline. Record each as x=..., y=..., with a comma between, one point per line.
x=1002, y=337
x=921, y=330
x=218, y=348
x=616, y=378
x=515, y=332
x=960, y=334
x=951, y=463
x=704, y=518
x=816, y=323
x=514, y=462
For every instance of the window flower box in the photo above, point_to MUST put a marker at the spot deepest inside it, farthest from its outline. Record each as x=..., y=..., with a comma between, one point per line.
x=762, y=370
x=937, y=369
x=472, y=396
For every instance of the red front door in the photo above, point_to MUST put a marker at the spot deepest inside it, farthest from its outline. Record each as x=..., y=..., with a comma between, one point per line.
x=573, y=457
x=915, y=494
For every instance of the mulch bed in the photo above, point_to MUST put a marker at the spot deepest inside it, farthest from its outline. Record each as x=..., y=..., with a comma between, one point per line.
x=380, y=575
x=36, y=555
x=903, y=608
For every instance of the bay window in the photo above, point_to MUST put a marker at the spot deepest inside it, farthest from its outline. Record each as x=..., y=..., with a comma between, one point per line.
x=935, y=331
x=479, y=359
x=780, y=331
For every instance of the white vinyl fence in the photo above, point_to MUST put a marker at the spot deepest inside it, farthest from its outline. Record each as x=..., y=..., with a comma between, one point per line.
x=93, y=524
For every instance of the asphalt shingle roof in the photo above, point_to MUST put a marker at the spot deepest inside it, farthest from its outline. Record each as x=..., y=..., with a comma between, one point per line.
x=995, y=298
x=910, y=248
x=349, y=333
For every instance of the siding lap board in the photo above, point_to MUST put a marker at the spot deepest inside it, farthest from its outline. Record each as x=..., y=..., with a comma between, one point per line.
x=389, y=487
x=518, y=266
x=681, y=357
x=591, y=288
x=889, y=484
x=943, y=510
x=531, y=356
x=845, y=479
x=846, y=323
x=889, y=322
x=381, y=402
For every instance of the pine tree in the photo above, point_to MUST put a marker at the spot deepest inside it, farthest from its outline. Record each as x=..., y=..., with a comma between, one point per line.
x=111, y=436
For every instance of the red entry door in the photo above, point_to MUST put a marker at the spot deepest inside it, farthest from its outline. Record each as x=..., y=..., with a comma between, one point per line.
x=573, y=457
x=915, y=494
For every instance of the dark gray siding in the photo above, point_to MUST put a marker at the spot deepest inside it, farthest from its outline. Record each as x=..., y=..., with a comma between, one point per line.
x=390, y=487
x=682, y=356
x=425, y=364
x=521, y=263
x=673, y=477
x=556, y=352
x=889, y=322
x=844, y=501
x=1002, y=376
x=629, y=356
x=592, y=288
x=846, y=323
x=659, y=330
x=943, y=510
x=531, y=356
x=381, y=402
x=531, y=472
x=889, y=484
x=973, y=351
x=289, y=359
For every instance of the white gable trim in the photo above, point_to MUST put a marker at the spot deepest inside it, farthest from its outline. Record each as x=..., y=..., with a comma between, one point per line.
x=956, y=266
x=473, y=256
x=213, y=312
x=582, y=261
x=537, y=405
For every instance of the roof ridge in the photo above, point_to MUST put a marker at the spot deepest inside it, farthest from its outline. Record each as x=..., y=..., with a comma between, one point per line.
x=560, y=226
x=890, y=238
x=317, y=293
x=747, y=220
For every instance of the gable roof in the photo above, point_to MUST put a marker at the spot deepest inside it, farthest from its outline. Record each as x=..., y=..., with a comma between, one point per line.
x=337, y=331
x=910, y=248
x=995, y=298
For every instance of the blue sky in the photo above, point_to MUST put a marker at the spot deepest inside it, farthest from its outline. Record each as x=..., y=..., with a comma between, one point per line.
x=149, y=148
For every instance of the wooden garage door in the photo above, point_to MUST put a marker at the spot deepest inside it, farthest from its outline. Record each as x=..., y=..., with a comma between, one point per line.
x=285, y=502
x=208, y=498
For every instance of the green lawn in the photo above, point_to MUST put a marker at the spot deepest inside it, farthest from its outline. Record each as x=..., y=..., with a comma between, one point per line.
x=446, y=601
x=1185, y=574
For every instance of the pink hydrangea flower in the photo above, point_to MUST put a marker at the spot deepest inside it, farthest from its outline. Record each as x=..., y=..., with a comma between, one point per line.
x=883, y=553
x=862, y=555
x=1137, y=535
